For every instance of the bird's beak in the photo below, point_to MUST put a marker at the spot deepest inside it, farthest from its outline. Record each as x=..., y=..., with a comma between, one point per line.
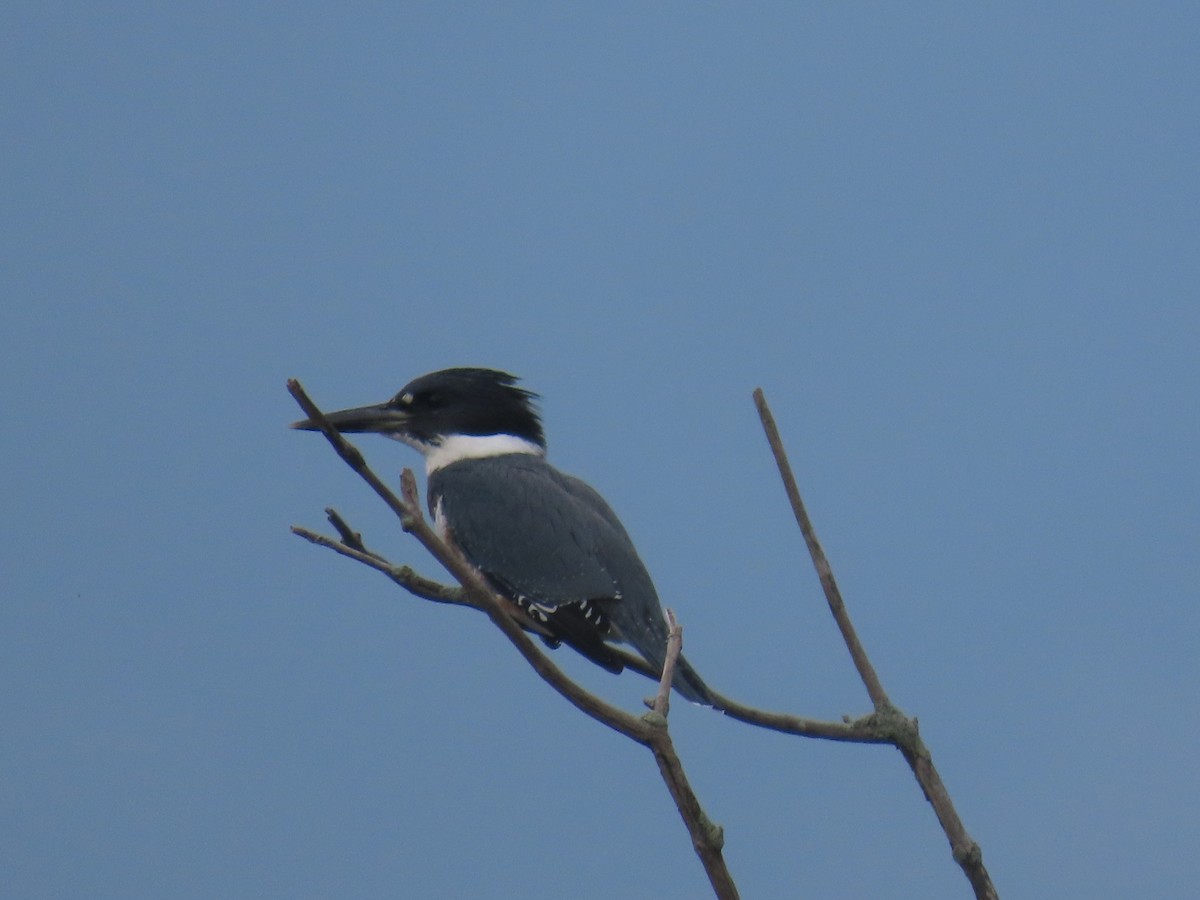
x=380, y=418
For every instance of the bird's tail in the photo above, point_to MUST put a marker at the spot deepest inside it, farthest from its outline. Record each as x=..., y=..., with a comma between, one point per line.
x=690, y=685
x=643, y=626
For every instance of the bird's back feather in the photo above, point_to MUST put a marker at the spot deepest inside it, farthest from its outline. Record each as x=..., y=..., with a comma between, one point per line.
x=550, y=539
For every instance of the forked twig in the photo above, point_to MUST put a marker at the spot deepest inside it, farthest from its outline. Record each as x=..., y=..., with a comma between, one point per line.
x=899, y=730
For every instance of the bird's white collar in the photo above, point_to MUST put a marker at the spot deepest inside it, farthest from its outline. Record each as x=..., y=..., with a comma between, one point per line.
x=458, y=447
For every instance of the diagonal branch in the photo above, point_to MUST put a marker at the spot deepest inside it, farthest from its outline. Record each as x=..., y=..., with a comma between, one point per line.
x=837, y=606
x=901, y=731
x=708, y=838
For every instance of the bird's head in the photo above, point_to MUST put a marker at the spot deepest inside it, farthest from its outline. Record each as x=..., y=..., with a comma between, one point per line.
x=451, y=414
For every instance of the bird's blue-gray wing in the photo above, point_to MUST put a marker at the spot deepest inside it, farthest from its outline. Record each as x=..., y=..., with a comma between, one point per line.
x=552, y=539
x=516, y=519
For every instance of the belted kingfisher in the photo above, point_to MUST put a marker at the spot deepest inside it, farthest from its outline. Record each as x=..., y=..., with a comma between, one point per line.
x=542, y=538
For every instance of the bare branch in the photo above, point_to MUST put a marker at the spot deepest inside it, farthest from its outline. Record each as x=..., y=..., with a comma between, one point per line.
x=404, y=576
x=854, y=731
x=349, y=536
x=824, y=571
x=888, y=721
x=862, y=730
x=708, y=839
x=351, y=455
x=662, y=701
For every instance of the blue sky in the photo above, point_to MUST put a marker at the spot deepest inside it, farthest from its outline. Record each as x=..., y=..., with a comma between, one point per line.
x=956, y=245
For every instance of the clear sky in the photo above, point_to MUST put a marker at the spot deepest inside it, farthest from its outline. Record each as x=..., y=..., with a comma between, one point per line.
x=958, y=247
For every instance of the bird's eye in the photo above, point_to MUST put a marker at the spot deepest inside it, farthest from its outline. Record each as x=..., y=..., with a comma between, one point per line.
x=404, y=399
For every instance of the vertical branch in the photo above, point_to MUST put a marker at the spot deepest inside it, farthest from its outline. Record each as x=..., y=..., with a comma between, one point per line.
x=662, y=701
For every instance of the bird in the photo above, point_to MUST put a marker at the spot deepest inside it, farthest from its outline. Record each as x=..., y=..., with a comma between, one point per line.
x=544, y=539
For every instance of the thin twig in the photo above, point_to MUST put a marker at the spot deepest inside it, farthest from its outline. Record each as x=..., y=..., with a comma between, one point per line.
x=662, y=701
x=862, y=730
x=866, y=671
x=404, y=576
x=889, y=720
x=418, y=585
x=350, y=537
